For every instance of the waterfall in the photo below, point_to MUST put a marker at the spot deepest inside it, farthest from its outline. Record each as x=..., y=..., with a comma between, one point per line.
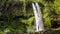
x=38, y=17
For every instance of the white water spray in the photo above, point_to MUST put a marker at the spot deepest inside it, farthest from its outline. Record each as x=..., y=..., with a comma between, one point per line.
x=38, y=17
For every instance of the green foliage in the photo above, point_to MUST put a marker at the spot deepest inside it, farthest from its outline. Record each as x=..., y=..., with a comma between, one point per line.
x=57, y=6
x=18, y=14
x=29, y=22
x=1, y=32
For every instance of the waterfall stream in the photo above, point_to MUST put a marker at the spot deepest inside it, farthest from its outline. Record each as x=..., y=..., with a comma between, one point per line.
x=38, y=17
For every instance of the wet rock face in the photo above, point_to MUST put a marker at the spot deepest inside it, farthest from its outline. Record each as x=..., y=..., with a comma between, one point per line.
x=10, y=9
x=49, y=0
x=51, y=31
x=28, y=5
x=55, y=24
x=16, y=8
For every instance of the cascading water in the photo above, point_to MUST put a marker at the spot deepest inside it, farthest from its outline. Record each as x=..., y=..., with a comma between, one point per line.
x=38, y=17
